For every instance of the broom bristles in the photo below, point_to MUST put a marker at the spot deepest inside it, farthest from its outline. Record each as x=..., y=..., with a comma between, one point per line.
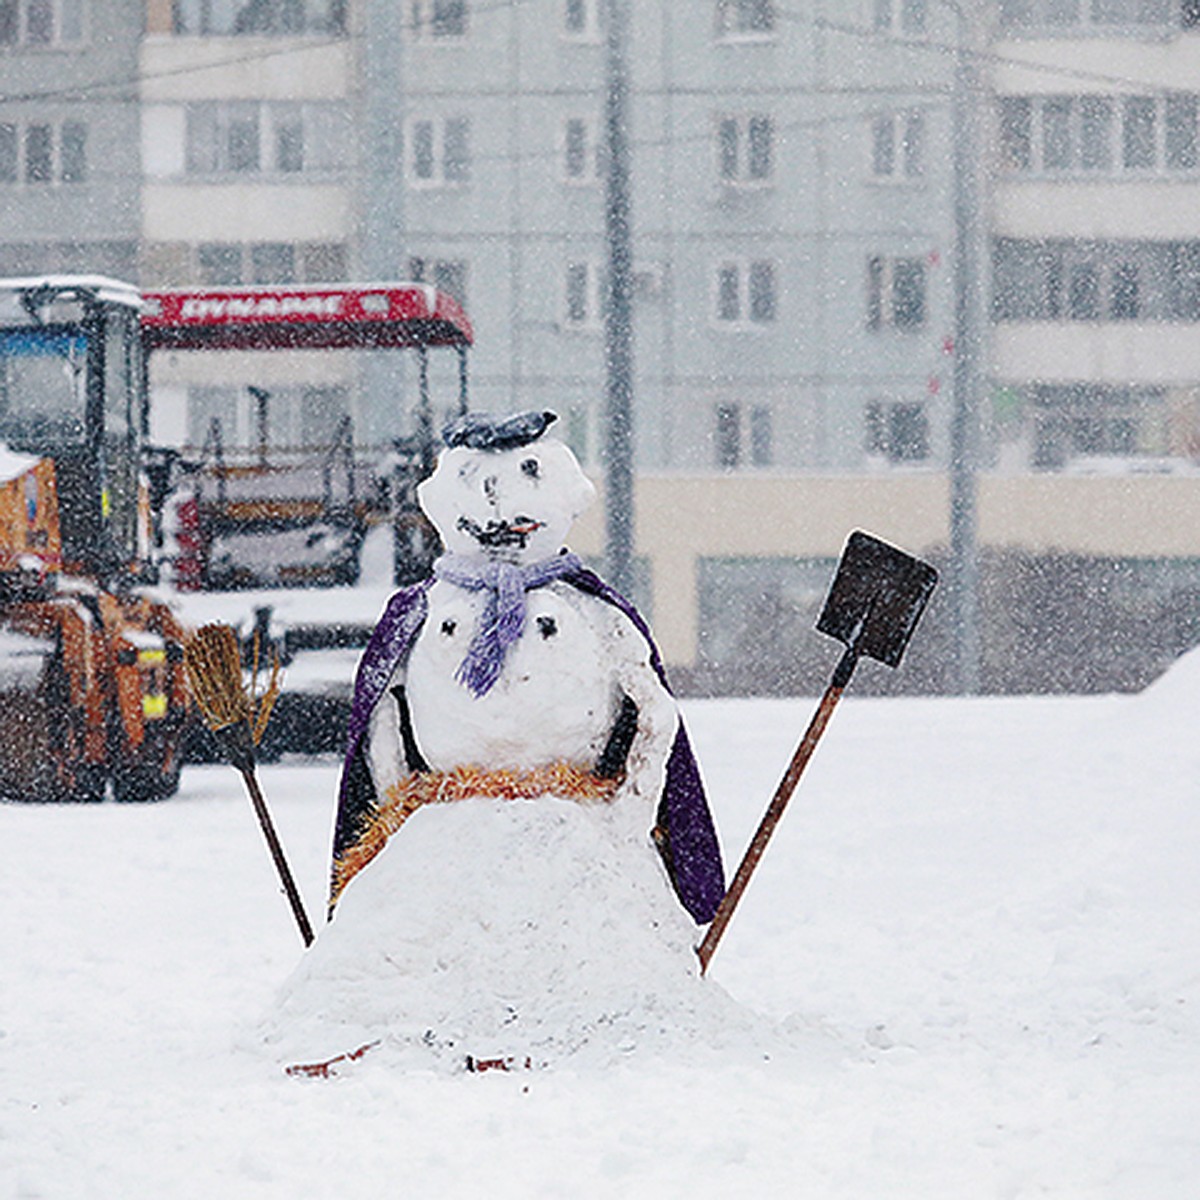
x=213, y=659
x=262, y=705
x=214, y=667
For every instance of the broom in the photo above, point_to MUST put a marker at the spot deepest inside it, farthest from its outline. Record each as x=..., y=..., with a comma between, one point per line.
x=238, y=718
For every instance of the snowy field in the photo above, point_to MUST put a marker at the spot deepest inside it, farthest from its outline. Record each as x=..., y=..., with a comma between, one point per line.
x=973, y=944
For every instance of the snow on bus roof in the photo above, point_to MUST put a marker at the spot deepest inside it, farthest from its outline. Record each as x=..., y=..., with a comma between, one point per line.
x=102, y=286
x=303, y=316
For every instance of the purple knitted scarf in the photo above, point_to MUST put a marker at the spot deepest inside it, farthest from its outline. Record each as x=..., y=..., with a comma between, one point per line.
x=503, y=618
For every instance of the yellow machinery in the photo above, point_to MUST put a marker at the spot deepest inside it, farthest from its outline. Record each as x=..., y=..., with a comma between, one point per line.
x=92, y=688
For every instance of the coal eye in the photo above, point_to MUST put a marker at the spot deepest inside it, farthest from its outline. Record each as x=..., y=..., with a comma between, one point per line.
x=531, y=467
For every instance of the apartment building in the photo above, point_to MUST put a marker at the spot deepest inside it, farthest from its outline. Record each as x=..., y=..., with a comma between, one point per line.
x=793, y=236
x=70, y=177
x=790, y=214
x=249, y=160
x=1096, y=242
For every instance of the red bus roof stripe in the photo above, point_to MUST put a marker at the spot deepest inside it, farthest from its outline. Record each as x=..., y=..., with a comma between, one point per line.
x=303, y=315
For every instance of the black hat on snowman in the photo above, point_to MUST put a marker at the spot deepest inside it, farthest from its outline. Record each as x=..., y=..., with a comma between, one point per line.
x=482, y=431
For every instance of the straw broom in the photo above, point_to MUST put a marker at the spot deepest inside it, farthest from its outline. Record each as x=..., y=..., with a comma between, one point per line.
x=238, y=718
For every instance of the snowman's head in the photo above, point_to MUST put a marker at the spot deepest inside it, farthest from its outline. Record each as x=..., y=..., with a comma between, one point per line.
x=503, y=490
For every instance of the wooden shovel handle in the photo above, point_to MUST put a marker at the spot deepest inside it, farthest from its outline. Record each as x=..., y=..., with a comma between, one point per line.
x=783, y=793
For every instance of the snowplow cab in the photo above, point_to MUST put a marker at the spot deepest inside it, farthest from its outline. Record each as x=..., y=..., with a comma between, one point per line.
x=91, y=674
x=72, y=389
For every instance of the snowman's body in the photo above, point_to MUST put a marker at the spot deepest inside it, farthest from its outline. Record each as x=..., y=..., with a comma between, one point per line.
x=561, y=691
x=464, y=904
x=516, y=658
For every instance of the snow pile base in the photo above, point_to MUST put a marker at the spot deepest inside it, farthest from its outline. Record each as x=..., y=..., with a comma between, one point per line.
x=536, y=929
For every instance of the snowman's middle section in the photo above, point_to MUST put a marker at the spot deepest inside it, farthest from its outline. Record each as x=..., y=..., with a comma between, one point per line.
x=555, y=700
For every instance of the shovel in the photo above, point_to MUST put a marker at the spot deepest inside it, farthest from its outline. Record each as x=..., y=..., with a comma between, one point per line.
x=873, y=606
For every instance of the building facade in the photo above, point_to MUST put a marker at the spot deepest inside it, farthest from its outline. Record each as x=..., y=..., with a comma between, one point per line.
x=794, y=219
x=1096, y=243
x=70, y=172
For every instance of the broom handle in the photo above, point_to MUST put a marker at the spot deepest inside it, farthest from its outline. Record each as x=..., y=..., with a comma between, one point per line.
x=783, y=793
x=285, y=874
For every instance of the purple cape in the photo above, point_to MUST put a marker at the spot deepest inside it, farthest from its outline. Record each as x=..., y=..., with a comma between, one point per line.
x=691, y=852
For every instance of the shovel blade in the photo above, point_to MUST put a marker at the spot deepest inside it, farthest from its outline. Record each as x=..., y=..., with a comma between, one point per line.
x=876, y=599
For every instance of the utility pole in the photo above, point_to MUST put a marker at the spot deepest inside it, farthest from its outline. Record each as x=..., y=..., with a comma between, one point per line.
x=963, y=581
x=381, y=217
x=618, y=312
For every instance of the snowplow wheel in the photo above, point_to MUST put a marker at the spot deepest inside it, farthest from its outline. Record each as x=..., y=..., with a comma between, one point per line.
x=72, y=777
x=148, y=782
x=78, y=782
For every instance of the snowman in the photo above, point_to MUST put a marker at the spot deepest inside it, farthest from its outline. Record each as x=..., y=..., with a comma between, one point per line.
x=523, y=848
x=516, y=660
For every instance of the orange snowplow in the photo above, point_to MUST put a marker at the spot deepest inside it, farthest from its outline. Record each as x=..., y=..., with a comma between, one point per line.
x=92, y=689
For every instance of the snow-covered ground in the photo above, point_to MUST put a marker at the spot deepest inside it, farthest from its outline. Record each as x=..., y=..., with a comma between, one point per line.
x=972, y=950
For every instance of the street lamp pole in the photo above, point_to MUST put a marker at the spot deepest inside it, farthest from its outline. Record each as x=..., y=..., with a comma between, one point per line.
x=618, y=311
x=963, y=581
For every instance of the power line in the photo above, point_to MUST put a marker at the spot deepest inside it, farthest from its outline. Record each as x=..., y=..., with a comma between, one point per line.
x=139, y=78
x=983, y=56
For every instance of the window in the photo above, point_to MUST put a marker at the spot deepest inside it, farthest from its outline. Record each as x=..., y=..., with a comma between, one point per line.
x=1183, y=273
x=904, y=16
x=264, y=137
x=438, y=152
x=1139, y=138
x=43, y=153
x=898, y=145
x=1083, y=292
x=583, y=295
x=39, y=154
x=41, y=22
x=1016, y=132
x=1124, y=291
x=272, y=262
x=898, y=432
x=1058, y=146
x=746, y=293
x=438, y=20
x=583, y=151
x=323, y=262
x=220, y=265
x=261, y=17
x=581, y=20
x=289, y=143
x=9, y=157
x=728, y=435
x=746, y=149
x=447, y=275
x=1074, y=15
x=1134, y=280
x=228, y=264
x=895, y=292
x=761, y=448
x=1179, y=121
x=1099, y=134
x=745, y=18
x=1095, y=133
x=1084, y=419
x=73, y=152
x=222, y=138
x=729, y=440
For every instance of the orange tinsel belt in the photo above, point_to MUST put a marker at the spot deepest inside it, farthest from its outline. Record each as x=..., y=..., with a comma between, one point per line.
x=566, y=780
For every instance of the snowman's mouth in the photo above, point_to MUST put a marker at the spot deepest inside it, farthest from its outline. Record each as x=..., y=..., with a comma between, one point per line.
x=501, y=533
